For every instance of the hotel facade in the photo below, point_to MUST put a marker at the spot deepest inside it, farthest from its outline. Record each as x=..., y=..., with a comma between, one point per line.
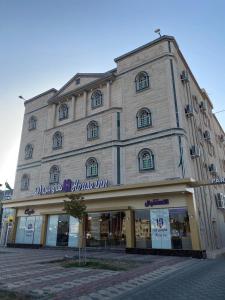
x=140, y=143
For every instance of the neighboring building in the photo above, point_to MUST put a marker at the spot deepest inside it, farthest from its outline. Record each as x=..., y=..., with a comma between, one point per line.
x=4, y=195
x=134, y=141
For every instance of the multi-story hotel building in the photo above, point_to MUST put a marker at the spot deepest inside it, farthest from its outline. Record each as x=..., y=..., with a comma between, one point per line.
x=138, y=142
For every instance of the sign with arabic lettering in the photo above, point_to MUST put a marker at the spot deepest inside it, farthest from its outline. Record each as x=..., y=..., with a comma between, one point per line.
x=71, y=186
x=154, y=202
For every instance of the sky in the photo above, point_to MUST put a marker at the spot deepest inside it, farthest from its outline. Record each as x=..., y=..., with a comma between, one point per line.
x=44, y=43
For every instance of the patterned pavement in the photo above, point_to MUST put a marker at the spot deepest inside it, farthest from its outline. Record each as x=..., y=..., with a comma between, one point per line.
x=30, y=271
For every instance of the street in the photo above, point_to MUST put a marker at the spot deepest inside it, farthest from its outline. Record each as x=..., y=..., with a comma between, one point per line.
x=202, y=280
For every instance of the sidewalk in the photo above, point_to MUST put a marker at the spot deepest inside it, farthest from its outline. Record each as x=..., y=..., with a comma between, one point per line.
x=30, y=271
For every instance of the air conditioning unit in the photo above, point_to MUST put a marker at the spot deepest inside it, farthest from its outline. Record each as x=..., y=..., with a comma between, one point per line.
x=203, y=106
x=222, y=138
x=207, y=135
x=184, y=77
x=220, y=203
x=195, y=151
x=212, y=169
x=189, y=110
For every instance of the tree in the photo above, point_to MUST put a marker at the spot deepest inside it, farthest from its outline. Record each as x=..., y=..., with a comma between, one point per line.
x=76, y=208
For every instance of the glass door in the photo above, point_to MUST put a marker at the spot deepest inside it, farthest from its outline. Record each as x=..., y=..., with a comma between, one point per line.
x=63, y=231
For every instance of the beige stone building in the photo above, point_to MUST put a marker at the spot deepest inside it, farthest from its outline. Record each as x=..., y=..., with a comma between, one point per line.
x=136, y=141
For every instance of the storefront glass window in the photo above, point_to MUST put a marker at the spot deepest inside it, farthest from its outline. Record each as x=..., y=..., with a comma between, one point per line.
x=63, y=230
x=180, y=229
x=20, y=234
x=52, y=230
x=142, y=229
x=106, y=229
x=29, y=230
x=73, y=232
x=37, y=230
x=162, y=228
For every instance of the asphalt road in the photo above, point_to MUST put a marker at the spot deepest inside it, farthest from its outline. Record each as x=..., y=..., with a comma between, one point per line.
x=202, y=281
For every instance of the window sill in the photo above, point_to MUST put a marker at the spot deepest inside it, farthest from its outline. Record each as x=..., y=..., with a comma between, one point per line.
x=94, y=107
x=142, y=90
x=146, y=171
x=145, y=127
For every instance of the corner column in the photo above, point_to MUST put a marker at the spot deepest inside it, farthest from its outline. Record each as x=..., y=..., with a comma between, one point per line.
x=130, y=228
x=73, y=107
x=44, y=230
x=108, y=87
x=86, y=103
x=193, y=221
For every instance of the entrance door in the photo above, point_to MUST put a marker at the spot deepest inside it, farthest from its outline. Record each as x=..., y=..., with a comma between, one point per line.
x=63, y=231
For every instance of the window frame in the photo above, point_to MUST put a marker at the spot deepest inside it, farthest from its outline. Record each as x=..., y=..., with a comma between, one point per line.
x=32, y=123
x=138, y=82
x=51, y=172
x=63, y=114
x=93, y=99
x=91, y=125
x=27, y=155
x=88, y=164
x=140, y=160
x=25, y=187
x=54, y=146
x=138, y=118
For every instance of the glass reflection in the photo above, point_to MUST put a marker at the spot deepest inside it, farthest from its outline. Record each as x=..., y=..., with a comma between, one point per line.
x=106, y=229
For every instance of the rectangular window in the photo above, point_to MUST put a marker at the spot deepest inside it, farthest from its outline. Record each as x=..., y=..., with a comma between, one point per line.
x=166, y=228
x=29, y=230
x=63, y=230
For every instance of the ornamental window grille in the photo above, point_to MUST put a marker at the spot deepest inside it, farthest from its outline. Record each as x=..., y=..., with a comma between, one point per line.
x=32, y=123
x=96, y=99
x=28, y=151
x=54, y=175
x=92, y=130
x=146, y=160
x=91, y=167
x=144, y=118
x=63, y=111
x=25, y=182
x=57, y=140
x=142, y=81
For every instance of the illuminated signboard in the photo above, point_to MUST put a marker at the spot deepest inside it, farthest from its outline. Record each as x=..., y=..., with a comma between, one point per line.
x=71, y=186
x=218, y=180
x=156, y=202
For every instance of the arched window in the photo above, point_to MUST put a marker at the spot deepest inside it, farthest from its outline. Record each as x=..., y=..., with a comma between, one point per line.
x=96, y=99
x=32, y=123
x=146, y=160
x=54, y=175
x=91, y=167
x=57, y=140
x=142, y=81
x=63, y=111
x=92, y=130
x=28, y=151
x=144, y=118
x=25, y=182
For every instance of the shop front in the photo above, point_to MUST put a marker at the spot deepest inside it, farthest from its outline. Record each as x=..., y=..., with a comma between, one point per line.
x=153, y=218
x=106, y=229
x=162, y=228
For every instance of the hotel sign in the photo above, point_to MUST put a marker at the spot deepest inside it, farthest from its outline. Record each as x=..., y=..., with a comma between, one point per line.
x=156, y=202
x=71, y=186
x=218, y=180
